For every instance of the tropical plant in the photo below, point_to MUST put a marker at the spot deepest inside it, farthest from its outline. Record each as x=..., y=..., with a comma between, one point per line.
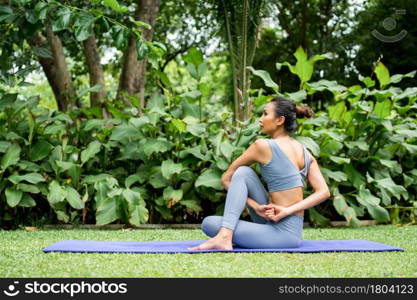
x=241, y=23
x=366, y=143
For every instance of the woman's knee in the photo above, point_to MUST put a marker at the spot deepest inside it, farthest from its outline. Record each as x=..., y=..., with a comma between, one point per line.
x=211, y=225
x=243, y=171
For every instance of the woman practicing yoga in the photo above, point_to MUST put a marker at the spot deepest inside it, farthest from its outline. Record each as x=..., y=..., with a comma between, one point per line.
x=285, y=165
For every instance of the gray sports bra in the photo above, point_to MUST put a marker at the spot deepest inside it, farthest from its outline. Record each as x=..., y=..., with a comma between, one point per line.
x=280, y=173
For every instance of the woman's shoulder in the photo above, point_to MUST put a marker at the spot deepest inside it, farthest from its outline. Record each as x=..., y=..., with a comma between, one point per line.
x=262, y=143
x=304, y=146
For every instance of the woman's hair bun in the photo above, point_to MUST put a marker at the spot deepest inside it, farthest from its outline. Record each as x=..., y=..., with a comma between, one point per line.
x=303, y=112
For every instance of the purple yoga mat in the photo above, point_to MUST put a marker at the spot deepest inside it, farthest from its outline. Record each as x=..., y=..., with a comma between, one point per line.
x=181, y=247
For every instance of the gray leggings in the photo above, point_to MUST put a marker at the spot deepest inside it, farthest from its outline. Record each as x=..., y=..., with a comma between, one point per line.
x=261, y=233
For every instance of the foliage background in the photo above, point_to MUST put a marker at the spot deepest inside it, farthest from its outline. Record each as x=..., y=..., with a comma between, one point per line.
x=117, y=159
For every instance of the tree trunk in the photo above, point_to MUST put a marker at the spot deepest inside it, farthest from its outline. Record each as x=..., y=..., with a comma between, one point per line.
x=96, y=73
x=133, y=75
x=127, y=76
x=148, y=13
x=62, y=75
x=55, y=68
x=304, y=24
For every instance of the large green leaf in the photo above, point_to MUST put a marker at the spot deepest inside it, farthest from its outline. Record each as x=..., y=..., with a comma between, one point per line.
x=92, y=149
x=337, y=111
x=350, y=216
x=165, y=212
x=410, y=148
x=332, y=147
x=41, y=10
x=392, y=165
x=107, y=211
x=40, y=150
x=407, y=133
x=30, y=177
x=142, y=49
x=335, y=175
x=168, y=168
x=139, y=122
x=123, y=132
x=340, y=204
x=378, y=213
x=398, y=77
x=382, y=74
x=296, y=96
x=83, y=26
x=227, y=149
x=138, y=213
x=114, y=5
x=74, y=198
x=358, y=144
x=29, y=188
x=13, y=197
x=90, y=179
x=366, y=198
x=210, y=178
x=180, y=125
x=132, y=197
x=157, y=180
x=93, y=89
x=195, y=151
x=62, y=216
x=354, y=176
x=56, y=193
x=189, y=110
x=303, y=67
x=156, y=145
x=75, y=172
x=194, y=57
x=62, y=19
x=393, y=189
x=4, y=145
x=264, y=75
x=27, y=201
x=196, y=129
x=94, y=124
x=172, y=196
x=192, y=205
x=340, y=160
x=11, y=157
x=140, y=177
x=383, y=109
x=317, y=218
x=310, y=144
x=64, y=165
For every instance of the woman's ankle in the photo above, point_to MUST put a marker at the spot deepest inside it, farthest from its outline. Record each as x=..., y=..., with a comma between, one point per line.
x=225, y=233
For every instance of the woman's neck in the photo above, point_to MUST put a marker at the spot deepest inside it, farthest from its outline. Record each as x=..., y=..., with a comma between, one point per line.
x=281, y=133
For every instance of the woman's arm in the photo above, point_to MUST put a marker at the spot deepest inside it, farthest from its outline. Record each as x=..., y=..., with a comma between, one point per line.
x=319, y=185
x=261, y=210
x=250, y=156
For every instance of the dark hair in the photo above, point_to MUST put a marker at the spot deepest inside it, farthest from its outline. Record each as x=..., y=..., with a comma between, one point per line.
x=288, y=109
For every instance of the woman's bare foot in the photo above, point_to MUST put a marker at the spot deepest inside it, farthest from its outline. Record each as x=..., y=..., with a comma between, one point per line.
x=222, y=241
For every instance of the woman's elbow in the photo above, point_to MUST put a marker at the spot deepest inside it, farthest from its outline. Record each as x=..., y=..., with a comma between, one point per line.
x=326, y=194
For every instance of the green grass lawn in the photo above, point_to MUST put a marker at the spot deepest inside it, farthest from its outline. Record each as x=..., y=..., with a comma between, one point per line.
x=21, y=256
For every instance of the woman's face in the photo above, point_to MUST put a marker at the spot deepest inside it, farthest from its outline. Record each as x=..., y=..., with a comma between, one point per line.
x=268, y=122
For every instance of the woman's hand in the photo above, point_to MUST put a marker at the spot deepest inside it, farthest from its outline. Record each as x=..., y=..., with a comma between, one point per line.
x=276, y=212
x=263, y=211
x=226, y=184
